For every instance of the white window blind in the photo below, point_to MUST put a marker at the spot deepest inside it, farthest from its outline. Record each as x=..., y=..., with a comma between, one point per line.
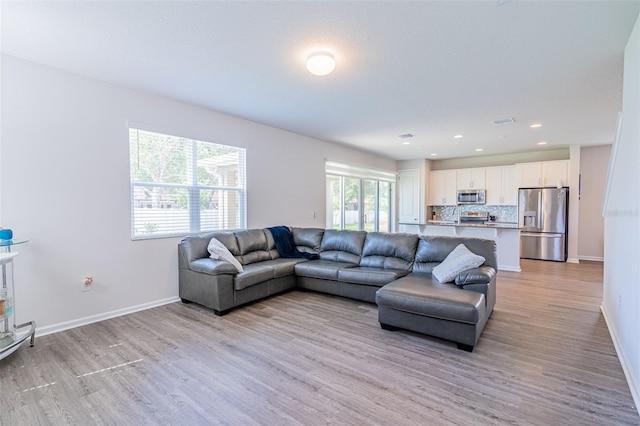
x=181, y=185
x=348, y=170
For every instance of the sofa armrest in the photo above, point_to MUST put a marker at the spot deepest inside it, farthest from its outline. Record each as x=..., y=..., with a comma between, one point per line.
x=213, y=267
x=481, y=275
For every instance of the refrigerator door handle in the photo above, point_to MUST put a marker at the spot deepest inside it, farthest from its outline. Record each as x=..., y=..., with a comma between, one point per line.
x=540, y=219
x=540, y=235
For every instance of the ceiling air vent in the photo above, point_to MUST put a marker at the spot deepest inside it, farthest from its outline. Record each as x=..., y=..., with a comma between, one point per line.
x=504, y=121
x=406, y=136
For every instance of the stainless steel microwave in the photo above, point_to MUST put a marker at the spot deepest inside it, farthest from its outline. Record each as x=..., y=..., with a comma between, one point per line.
x=471, y=196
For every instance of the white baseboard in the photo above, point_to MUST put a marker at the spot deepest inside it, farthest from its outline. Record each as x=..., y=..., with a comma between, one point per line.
x=592, y=258
x=573, y=260
x=633, y=387
x=55, y=328
x=511, y=268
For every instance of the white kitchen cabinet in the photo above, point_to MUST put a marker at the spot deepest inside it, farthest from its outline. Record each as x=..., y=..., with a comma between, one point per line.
x=555, y=173
x=471, y=178
x=543, y=174
x=409, y=187
x=501, y=186
x=443, y=188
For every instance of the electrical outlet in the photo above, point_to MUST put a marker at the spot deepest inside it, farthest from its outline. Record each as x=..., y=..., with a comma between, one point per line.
x=86, y=283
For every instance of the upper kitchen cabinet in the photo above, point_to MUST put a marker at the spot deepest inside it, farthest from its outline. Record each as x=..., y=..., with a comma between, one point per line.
x=543, y=174
x=502, y=189
x=471, y=178
x=409, y=187
x=443, y=188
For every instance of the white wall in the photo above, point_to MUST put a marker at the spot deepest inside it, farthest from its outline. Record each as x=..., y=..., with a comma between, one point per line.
x=64, y=176
x=621, y=301
x=594, y=162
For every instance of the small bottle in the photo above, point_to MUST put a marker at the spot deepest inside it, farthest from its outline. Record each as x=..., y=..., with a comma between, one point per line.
x=434, y=216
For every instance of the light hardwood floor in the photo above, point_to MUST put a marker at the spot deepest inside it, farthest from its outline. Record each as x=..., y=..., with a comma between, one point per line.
x=545, y=358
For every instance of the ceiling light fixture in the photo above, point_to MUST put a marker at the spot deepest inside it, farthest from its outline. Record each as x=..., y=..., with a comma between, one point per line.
x=406, y=143
x=479, y=149
x=535, y=125
x=457, y=136
x=542, y=143
x=321, y=63
x=434, y=155
x=503, y=121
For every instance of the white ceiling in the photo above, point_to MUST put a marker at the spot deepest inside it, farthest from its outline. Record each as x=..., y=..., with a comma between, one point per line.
x=433, y=69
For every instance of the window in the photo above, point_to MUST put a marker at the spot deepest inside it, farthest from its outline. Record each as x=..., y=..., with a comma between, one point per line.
x=180, y=185
x=359, y=198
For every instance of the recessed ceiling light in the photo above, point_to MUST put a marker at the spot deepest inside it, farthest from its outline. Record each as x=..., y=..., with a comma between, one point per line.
x=458, y=136
x=535, y=125
x=542, y=143
x=434, y=154
x=406, y=143
x=479, y=149
x=321, y=63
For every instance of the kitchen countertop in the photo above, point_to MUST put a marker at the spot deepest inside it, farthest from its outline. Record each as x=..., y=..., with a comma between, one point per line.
x=500, y=225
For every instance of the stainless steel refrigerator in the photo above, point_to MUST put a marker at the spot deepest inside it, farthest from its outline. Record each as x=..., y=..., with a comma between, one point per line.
x=542, y=217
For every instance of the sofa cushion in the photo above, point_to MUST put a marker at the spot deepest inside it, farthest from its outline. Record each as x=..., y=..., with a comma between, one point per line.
x=307, y=240
x=271, y=245
x=342, y=246
x=253, y=246
x=432, y=250
x=252, y=275
x=459, y=260
x=392, y=251
x=282, y=267
x=370, y=276
x=324, y=269
x=227, y=238
x=419, y=294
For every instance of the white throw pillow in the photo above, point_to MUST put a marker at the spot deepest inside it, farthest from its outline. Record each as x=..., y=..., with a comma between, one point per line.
x=459, y=260
x=217, y=250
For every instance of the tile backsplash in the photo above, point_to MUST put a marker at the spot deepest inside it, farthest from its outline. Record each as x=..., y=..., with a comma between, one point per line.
x=502, y=213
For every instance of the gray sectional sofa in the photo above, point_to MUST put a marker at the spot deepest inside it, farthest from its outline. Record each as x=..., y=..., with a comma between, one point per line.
x=392, y=270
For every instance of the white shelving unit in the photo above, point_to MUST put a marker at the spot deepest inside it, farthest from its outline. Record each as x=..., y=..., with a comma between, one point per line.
x=11, y=335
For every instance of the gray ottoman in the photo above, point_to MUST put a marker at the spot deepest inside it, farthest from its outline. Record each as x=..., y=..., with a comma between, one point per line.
x=424, y=305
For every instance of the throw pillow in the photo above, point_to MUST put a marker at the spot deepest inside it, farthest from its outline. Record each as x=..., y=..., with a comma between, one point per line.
x=459, y=260
x=217, y=250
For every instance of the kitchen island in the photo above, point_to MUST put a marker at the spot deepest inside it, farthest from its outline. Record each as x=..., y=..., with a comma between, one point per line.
x=506, y=235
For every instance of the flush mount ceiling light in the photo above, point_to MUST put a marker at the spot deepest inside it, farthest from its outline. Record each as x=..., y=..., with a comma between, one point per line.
x=479, y=149
x=321, y=63
x=458, y=136
x=542, y=143
x=535, y=125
